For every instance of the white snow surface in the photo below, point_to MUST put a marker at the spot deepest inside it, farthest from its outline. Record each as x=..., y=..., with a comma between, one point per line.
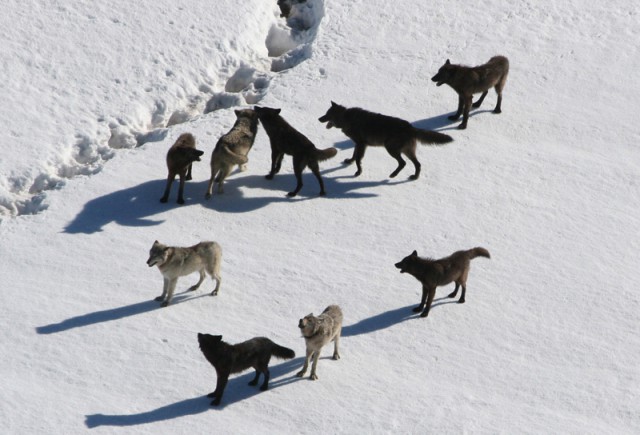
x=95, y=93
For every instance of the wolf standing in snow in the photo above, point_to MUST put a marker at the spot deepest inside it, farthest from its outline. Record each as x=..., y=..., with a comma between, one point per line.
x=318, y=331
x=233, y=358
x=435, y=273
x=180, y=157
x=232, y=149
x=174, y=262
x=467, y=81
x=368, y=128
x=285, y=139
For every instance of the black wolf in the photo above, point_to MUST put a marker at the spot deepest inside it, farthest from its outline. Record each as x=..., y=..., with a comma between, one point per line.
x=233, y=358
x=367, y=128
x=179, y=159
x=467, y=81
x=435, y=273
x=287, y=140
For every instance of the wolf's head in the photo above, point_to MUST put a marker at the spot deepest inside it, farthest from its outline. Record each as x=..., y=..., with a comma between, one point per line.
x=333, y=117
x=249, y=114
x=208, y=341
x=308, y=325
x=266, y=113
x=406, y=265
x=158, y=254
x=445, y=73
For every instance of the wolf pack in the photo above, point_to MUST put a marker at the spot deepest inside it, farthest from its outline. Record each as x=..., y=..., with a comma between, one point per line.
x=364, y=128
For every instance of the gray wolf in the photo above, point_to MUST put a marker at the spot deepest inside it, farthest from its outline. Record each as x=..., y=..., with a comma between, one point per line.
x=435, y=273
x=318, y=331
x=174, y=262
x=179, y=159
x=467, y=81
x=232, y=149
x=233, y=358
x=285, y=139
x=368, y=128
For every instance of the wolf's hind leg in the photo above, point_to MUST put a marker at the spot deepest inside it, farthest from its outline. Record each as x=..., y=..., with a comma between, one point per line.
x=196, y=285
x=480, y=100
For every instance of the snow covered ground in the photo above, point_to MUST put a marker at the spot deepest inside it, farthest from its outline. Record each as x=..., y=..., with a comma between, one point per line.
x=94, y=94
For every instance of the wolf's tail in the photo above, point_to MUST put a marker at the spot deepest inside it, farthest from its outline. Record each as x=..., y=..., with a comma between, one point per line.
x=478, y=252
x=431, y=137
x=234, y=157
x=282, y=352
x=326, y=154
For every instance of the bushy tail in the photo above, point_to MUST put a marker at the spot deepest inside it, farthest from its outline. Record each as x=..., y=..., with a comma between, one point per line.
x=432, y=137
x=326, y=154
x=282, y=352
x=479, y=252
x=235, y=158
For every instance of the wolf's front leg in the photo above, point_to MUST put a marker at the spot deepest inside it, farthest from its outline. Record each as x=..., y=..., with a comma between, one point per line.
x=165, y=287
x=170, y=289
x=306, y=364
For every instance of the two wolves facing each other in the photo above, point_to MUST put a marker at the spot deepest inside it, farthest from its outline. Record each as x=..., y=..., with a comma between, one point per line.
x=317, y=332
x=174, y=262
x=233, y=358
x=467, y=81
x=368, y=128
x=180, y=157
x=232, y=149
x=285, y=139
x=435, y=273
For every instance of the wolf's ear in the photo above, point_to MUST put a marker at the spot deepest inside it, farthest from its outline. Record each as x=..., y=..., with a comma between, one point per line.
x=277, y=111
x=447, y=62
x=333, y=103
x=237, y=112
x=414, y=253
x=217, y=337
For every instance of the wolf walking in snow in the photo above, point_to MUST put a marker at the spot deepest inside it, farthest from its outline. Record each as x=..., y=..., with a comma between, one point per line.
x=368, y=128
x=467, y=81
x=285, y=139
x=233, y=358
x=435, y=273
x=180, y=157
x=317, y=332
x=232, y=149
x=174, y=262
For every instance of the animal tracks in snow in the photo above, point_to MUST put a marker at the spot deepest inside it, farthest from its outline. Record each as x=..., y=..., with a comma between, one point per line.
x=240, y=75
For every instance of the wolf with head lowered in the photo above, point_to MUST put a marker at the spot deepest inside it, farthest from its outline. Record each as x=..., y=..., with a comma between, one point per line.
x=285, y=139
x=233, y=358
x=435, y=273
x=467, y=81
x=368, y=128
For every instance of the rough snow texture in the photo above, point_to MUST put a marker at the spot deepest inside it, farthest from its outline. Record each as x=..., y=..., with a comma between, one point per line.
x=94, y=94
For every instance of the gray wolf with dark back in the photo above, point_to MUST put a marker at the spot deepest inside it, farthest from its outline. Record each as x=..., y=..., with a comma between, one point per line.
x=318, y=331
x=467, y=81
x=174, y=262
x=233, y=358
x=179, y=159
x=285, y=139
x=232, y=149
x=367, y=128
x=435, y=273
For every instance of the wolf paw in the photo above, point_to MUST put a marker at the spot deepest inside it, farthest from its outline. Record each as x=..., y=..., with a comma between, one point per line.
x=215, y=402
x=264, y=388
x=461, y=301
x=462, y=126
x=212, y=395
x=418, y=309
x=347, y=161
x=313, y=377
x=164, y=304
x=269, y=176
x=163, y=199
x=424, y=314
x=159, y=298
x=291, y=194
x=300, y=373
x=454, y=117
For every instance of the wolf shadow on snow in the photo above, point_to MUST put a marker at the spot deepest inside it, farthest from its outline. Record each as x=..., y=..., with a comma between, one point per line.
x=237, y=390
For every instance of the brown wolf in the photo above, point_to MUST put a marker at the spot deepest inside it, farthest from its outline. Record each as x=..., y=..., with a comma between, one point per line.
x=318, y=331
x=233, y=358
x=287, y=140
x=467, y=81
x=367, y=128
x=232, y=149
x=434, y=273
x=179, y=159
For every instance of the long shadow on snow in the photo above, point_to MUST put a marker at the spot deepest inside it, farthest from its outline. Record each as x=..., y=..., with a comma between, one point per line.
x=128, y=207
x=387, y=319
x=236, y=391
x=111, y=314
x=134, y=205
